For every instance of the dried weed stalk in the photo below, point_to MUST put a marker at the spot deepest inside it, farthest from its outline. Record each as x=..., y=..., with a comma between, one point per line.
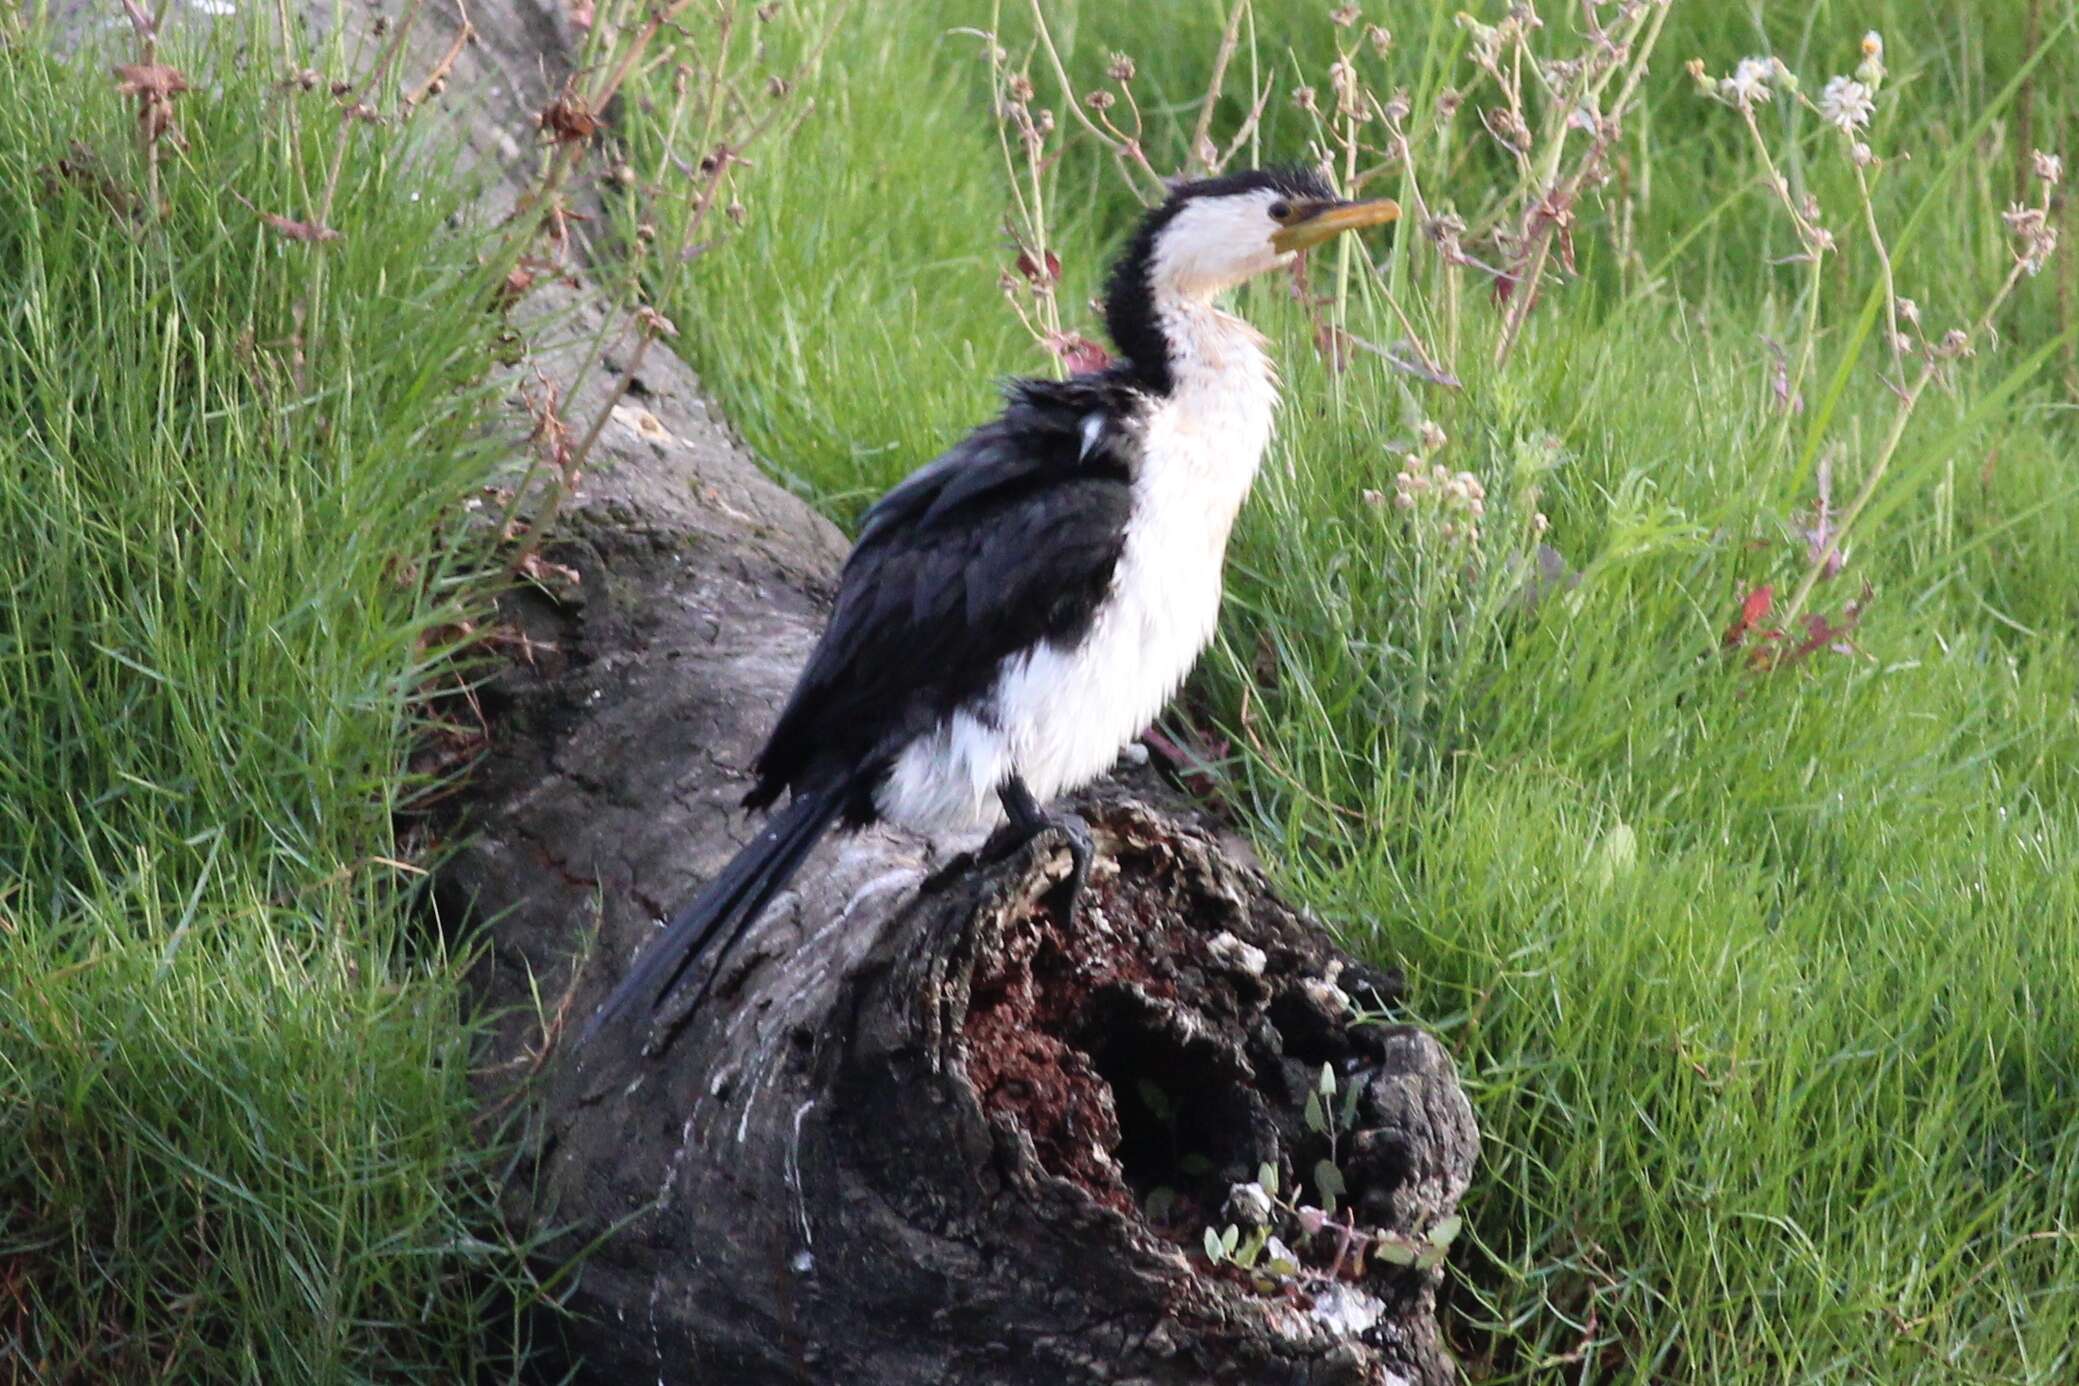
x=1918, y=357
x=726, y=93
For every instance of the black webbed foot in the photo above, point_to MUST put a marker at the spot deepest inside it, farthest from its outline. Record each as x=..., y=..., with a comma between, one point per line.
x=1027, y=821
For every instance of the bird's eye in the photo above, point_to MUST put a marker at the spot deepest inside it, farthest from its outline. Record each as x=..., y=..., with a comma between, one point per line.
x=1279, y=211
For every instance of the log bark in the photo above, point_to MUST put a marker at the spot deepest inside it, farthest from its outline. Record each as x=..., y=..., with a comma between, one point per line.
x=915, y=1135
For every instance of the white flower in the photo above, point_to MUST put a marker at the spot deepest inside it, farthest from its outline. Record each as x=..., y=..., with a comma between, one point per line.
x=1748, y=86
x=1845, y=104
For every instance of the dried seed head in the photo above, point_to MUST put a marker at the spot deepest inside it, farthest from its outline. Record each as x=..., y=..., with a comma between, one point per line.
x=1121, y=69
x=1375, y=499
x=1345, y=15
x=1379, y=38
x=1020, y=87
x=1870, y=72
x=1304, y=99
x=1398, y=106
x=2035, y=238
x=1507, y=127
x=1100, y=100
x=2049, y=167
x=1432, y=437
x=1910, y=311
x=1859, y=154
x=655, y=323
x=737, y=212
x=1349, y=93
x=1486, y=39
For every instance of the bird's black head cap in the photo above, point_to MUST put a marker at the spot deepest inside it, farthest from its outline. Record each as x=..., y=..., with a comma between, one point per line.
x=1129, y=300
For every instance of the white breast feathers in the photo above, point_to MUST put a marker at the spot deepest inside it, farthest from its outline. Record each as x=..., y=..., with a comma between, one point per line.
x=1058, y=716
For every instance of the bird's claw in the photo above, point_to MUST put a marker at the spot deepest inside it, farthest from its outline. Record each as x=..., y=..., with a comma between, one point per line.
x=1075, y=833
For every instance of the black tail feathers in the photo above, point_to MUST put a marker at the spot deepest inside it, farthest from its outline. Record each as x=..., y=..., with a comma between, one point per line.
x=727, y=907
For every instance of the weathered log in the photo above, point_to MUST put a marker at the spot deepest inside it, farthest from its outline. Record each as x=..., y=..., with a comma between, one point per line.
x=915, y=1134
x=913, y=1140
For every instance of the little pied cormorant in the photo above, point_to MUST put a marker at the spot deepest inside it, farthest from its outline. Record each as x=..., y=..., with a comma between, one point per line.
x=1018, y=610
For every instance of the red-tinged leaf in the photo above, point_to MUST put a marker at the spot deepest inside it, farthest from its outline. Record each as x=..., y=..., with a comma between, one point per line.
x=1823, y=632
x=569, y=120
x=1753, y=611
x=1043, y=271
x=1081, y=355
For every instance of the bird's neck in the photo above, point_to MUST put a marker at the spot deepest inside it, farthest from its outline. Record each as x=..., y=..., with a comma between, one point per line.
x=1206, y=434
x=1209, y=349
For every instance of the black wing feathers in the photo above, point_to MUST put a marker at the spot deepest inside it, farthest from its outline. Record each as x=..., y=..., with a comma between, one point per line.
x=1008, y=540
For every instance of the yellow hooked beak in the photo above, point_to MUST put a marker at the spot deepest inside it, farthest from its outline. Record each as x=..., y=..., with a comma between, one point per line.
x=1313, y=223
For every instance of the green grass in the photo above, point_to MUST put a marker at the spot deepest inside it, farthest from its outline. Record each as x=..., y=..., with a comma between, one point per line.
x=1762, y=984
x=235, y=1115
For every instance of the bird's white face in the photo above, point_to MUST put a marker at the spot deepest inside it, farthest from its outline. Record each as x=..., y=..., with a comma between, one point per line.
x=1214, y=243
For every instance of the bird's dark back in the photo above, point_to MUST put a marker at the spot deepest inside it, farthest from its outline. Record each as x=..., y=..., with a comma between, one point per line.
x=1008, y=540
